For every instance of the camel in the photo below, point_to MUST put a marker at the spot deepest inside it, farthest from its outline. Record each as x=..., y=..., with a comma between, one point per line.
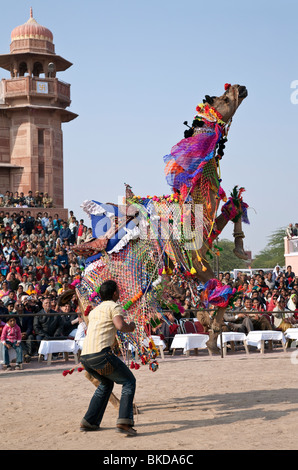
x=211, y=125
x=226, y=105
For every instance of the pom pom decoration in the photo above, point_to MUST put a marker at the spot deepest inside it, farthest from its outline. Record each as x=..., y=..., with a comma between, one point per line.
x=227, y=86
x=88, y=310
x=70, y=371
x=153, y=366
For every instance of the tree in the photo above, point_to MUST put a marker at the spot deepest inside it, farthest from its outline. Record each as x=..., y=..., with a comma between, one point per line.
x=227, y=261
x=273, y=253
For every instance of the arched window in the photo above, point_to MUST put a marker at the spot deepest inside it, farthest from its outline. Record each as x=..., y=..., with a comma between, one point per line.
x=22, y=69
x=37, y=69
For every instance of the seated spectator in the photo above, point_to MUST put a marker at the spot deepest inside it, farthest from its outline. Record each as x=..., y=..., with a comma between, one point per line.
x=22, y=198
x=15, y=199
x=4, y=267
x=277, y=271
x=37, y=199
x=14, y=279
x=11, y=337
x=62, y=259
x=10, y=298
x=70, y=320
x=290, y=276
x=283, y=317
x=48, y=327
x=20, y=292
x=31, y=290
x=28, y=260
x=89, y=235
x=29, y=199
x=47, y=201
x=4, y=290
x=269, y=280
x=293, y=305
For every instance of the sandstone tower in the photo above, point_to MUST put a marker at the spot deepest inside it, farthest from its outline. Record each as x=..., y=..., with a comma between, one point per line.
x=33, y=106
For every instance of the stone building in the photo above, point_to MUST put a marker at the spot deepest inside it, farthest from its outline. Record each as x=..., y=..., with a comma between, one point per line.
x=33, y=105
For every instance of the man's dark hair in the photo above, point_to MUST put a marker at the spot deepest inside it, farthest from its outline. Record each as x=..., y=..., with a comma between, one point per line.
x=107, y=290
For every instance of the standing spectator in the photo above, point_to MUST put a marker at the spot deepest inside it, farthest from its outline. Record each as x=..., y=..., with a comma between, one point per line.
x=26, y=330
x=73, y=229
x=56, y=223
x=7, y=219
x=45, y=221
x=50, y=227
x=65, y=233
x=290, y=276
x=29, y=223
x=80, y=232
x=15, y=228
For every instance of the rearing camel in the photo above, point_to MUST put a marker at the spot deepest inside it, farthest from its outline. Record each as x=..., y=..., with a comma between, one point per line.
x=219, y=112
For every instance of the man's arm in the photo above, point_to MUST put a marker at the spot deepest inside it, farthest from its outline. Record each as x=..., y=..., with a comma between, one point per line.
x=121, y=324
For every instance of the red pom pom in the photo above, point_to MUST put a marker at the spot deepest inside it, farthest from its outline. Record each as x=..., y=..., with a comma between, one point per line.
x=227, y=86
x=132, y=365
x=80, y=369
x=65, y=372
x=137, y=366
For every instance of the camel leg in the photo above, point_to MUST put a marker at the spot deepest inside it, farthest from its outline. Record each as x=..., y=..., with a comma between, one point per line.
x=238, y=236
x=113, y=399
x=215, y=331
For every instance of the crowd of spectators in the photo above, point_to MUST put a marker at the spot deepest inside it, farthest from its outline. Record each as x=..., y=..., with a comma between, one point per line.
x=36, y=266
x=266, y=300
x=19, y=200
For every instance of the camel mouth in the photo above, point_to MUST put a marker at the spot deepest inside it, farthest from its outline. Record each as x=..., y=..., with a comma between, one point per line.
x=242, y=92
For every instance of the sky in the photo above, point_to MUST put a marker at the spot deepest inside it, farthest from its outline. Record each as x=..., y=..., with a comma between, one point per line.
x=139, y=71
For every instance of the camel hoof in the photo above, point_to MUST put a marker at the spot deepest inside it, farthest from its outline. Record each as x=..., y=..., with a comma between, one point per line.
x=240, y=254
x=212, y=347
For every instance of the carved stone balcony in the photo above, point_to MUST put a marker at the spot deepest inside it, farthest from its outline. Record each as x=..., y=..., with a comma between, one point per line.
x=36, y=91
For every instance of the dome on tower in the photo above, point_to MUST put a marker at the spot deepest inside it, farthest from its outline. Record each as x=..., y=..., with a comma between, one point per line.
x=39, y=36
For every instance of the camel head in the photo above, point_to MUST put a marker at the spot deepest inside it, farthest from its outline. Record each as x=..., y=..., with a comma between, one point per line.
x=228, y=103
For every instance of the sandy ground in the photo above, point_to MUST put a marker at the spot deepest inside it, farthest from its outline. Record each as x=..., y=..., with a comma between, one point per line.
x=190, y=403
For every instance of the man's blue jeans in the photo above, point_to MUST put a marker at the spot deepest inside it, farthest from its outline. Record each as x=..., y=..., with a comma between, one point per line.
x=19, y=352
x=109, y=369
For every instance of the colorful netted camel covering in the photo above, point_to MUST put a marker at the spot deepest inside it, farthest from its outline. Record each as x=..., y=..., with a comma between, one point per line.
x=144, y=242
